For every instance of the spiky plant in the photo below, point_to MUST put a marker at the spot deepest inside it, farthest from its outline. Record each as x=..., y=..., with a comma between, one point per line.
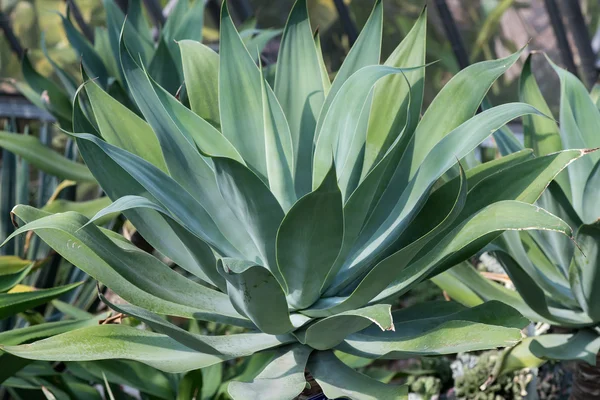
x=300, y=211
x=557, y=280
x=156, y=48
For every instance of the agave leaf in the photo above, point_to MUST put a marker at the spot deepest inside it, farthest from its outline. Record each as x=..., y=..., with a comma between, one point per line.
x=240, y=98
x=120, y=372
x=255, y=293
x=365, y=52
x=338, y=133
x=170, y=238
x=385, y=271
x=328, y=332
x=519, y=357
x=540, y=134
x=188, y=26
x=184, y=207
x=175, y=17
x=282, y=378
x=190, y=384
x=204, y=265
x=255, y=206
x=87, y=208
x=177, y=129
x=583, y=345
x=10, y=265
x=584, y=273
x=83, y=115
x=402, y=199
x=86, y=52
x=14, y=303
x=118, y=25
x=31, y=149
x=175, y=125
x=579, y=119
x=506, y=141
x=258, y=42
x=392, y=97
x=158, y=289
x=103, y=342
x=163, y=68
x=324, y=72
x=53, y=98
x=529, y=289
x=358, y=206
x=428, y=315
x=279, y=149
x=135, y=15
x=490, y=325
x=299, y=88
x=480, y=289
x=113, y=119
x=161, y=325
x=470, y=235
x=471, y=85
x=591, y=193
x=65, y=79
x=11, y=364
x=528, y=255
x=339, y=380
x=308, y=242
x=557, y=248
x=8, y=281
x=201, y=73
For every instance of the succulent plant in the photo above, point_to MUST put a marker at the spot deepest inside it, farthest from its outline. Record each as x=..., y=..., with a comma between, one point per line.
x=556, y=279
x=299, y=211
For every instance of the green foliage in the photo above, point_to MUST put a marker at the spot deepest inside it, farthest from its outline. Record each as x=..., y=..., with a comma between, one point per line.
x=285, y=227
x=557, y=280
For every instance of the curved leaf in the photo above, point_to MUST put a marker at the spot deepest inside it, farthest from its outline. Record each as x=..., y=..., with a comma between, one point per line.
x=470, y=236
x=14, y=303
x=282, y=378
x=392, y=96
x=308, y=242
x=339, y=380
x=583, y=345
x=255, y=293
x=328, y=332
x=158, y=288
x=105, y=342
x=31, y=149
x=487, y=326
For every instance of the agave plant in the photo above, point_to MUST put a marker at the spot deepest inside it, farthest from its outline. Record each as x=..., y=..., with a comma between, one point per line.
x=556, y=280
x=100, y=58
x=299, y=211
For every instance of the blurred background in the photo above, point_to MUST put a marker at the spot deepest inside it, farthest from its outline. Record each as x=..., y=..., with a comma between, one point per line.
x=488, y=29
